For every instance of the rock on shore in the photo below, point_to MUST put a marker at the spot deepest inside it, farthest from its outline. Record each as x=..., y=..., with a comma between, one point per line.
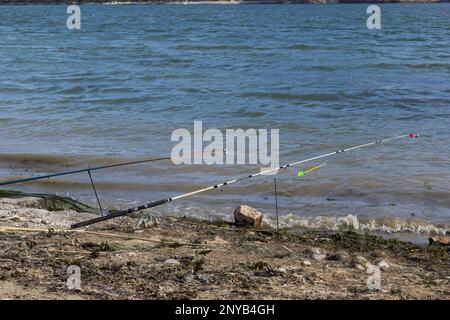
x=247, y=216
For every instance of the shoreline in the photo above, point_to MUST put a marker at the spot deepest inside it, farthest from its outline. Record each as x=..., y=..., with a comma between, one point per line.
x=412, y=229
x=182, y=258
x=223, y=2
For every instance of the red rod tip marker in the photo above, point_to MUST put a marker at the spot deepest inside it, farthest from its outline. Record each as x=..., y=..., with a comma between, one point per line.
x=411, y=135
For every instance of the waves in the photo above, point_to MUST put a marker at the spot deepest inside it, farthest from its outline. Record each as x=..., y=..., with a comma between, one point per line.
x=411, y=66
x=330, y=222
x=352, y=222
x=280, y=96
x=203, y=47
x=305, y=47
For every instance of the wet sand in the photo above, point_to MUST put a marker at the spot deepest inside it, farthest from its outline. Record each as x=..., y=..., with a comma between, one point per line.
x=181, y=258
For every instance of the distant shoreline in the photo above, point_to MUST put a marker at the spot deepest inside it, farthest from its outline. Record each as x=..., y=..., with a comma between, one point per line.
x=243, y=2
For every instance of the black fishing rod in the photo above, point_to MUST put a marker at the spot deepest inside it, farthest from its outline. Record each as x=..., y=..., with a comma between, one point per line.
x=120, y=213
x=66, y=173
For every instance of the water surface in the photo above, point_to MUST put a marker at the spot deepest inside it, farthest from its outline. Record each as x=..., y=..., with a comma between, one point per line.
x=117, y=88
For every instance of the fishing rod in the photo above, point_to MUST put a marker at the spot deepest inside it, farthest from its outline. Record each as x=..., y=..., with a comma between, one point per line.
x=80, y=170
x=120, y=213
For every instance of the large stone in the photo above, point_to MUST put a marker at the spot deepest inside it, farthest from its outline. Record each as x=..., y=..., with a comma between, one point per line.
x=247, y=216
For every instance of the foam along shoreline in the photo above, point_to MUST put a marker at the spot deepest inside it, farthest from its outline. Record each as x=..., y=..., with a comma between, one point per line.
x=387, y=225
x=181, y=258
x=413, y=229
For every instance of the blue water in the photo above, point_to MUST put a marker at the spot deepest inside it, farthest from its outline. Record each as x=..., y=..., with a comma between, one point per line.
x=118, y=87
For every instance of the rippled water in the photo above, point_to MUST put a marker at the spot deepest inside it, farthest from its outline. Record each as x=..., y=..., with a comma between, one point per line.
x=118, y=87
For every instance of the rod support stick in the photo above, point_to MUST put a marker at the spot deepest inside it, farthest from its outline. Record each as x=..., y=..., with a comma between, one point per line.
x=276, y=200
x=95, y=191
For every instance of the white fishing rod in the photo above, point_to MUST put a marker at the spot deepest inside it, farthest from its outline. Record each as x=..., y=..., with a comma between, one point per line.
x=120, y=213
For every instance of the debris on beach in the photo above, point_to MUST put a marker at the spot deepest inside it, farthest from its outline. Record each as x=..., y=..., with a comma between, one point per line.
x=187, y=259
x=440, y=240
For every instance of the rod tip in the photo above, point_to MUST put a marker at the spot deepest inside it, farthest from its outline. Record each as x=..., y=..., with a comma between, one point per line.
x=412, y=135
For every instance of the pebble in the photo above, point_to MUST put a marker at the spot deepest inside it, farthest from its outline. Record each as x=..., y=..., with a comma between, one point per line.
x=383, y=265
x=172, y=263
x=359, y=267
x=361, y=260
x=318, y=257
x=203, y=278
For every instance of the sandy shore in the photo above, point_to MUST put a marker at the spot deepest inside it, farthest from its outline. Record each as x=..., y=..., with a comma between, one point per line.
x=186, y=259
